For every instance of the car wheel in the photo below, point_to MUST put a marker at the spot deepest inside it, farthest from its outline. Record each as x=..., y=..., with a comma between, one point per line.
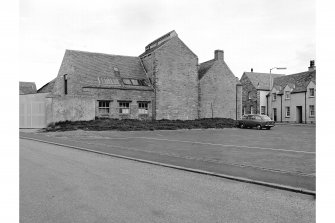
x=259, y=127
x=242, y=126
x=268, y=128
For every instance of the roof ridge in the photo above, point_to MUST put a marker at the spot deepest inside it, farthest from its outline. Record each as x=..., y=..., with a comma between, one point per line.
x=103, y=54
x=207, y=61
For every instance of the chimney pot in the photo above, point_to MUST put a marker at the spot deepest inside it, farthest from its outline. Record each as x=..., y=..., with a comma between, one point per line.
x=252, y=70
x=218, y=54
x=311, y=65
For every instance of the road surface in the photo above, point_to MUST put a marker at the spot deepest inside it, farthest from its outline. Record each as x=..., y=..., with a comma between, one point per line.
x=59, y=184
x=282, y=156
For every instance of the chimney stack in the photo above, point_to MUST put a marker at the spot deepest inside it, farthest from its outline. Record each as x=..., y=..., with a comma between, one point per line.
x=218, y=54
x=311, y=65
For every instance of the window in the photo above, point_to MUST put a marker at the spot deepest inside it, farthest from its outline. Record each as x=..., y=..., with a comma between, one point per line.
x=287, y=94
x=134, y=82
x=104, y=107
x=142, y=82
x=243, y=110
x=251, y=110
x=288, y=112
x=274, y=96
x=124, y=107
x=126, y=81
x=143, y=107
x=311, y=92
x=249, y=95
x=311, y=111
x=262, y=110
x=65, y=83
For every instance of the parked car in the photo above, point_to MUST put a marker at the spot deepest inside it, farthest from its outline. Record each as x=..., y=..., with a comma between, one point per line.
x=258, y=121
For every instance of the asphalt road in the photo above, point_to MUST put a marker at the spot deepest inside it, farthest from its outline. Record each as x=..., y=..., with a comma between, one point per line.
x=59, y=184
x=284, y=155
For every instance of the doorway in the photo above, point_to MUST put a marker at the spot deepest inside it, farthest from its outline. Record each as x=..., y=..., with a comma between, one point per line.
x=299, y=114
x=275, y=114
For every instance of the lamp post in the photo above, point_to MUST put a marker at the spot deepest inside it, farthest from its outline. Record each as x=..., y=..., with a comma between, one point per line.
x=278, y=68
x=271, y=83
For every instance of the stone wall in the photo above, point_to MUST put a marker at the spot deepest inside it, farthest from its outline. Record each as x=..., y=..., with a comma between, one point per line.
x=218, y=93
x=72, y=108
x=176, y=76
x=248, y=87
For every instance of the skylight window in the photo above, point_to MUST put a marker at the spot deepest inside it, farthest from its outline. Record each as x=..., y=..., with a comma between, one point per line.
x=134, y=82
x=127, y=81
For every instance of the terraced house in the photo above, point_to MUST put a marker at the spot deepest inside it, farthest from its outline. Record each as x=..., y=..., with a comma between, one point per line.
x=166, y=81
x=292, y=98
x=284, y=98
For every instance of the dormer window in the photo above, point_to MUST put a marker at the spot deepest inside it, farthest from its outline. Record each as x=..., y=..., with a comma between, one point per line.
x=312, y=92
x=249, y=95
x=287, y=95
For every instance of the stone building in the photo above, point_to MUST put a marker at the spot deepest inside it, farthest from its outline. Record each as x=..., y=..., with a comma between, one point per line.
x=292, y=98
x=220, y=91
x=255, y=88
x=284, y=98
x=164, y=82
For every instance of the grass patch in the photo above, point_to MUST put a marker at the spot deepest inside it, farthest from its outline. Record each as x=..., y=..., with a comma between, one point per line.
x=141, y=125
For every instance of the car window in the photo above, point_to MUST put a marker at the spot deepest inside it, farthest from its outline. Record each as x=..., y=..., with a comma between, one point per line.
x=258, y=118
x=266, y=118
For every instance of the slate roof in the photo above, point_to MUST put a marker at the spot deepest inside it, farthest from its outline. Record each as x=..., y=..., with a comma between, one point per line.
x=299, y=80
x=27, y=87
x=261, y=81
x=47, y=88
x=204, y=67
x=99, y=64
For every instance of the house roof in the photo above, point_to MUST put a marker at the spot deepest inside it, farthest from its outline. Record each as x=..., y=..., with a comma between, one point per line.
x=299, y=81
x=261, y=81
x=94, y=66
x=27, y=87
x=99, y=64
x=47, y=87
x=159, y=42
x=204, y=67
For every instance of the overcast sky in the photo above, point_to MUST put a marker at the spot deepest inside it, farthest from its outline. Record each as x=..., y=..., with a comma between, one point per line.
x=258, y=34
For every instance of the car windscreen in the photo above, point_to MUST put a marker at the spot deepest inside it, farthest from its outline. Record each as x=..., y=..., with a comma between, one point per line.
x=266, y=118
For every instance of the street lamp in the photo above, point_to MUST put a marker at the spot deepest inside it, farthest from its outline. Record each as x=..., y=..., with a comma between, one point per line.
x=271, y=83
x=278, y=68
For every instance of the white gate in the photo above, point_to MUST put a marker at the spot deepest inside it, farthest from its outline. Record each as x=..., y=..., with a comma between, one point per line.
x=32, y=110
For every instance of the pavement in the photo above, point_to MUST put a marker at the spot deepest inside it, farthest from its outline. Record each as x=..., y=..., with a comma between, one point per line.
x=282, y=156
x=59, y=184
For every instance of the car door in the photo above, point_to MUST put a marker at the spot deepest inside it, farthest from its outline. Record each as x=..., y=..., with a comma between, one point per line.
x=253, y=121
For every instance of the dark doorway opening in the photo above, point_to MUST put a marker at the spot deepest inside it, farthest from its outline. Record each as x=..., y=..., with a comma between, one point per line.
x=299, y=114
x=275, y=114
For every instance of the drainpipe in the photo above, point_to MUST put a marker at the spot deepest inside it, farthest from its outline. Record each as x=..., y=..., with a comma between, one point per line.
x=281, y=108
x=236, y=100
x=267, y=105
x=305, y=109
